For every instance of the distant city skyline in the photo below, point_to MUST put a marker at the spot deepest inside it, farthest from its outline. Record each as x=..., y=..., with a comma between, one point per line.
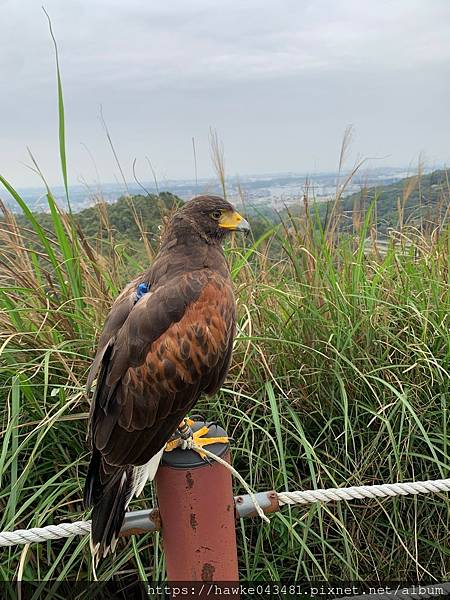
x=261, y=192
x=279, y=82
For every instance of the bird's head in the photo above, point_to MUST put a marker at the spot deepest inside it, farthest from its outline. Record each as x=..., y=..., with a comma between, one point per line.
x=211, y=217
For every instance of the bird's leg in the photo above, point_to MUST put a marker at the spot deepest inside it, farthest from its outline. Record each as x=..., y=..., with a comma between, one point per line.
x=184, y=428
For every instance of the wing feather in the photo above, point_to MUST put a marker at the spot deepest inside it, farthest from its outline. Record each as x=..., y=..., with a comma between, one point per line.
x=156, y=370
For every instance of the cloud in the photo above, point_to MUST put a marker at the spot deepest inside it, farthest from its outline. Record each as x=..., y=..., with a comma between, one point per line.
x=174, y=59
x=181, y=42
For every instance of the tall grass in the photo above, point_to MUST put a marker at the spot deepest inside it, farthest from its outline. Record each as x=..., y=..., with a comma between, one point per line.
x=339, y=377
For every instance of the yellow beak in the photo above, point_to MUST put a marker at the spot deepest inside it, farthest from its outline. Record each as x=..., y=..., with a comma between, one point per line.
x=233, y=221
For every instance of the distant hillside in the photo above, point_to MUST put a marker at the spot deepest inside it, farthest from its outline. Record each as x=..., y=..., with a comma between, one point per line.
x=121, y=215
x=421, y=199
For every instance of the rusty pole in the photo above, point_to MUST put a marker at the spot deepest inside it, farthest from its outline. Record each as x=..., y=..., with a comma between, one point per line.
x=196, y=506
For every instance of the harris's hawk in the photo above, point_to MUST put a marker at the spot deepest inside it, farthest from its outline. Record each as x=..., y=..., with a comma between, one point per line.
x=167, y=339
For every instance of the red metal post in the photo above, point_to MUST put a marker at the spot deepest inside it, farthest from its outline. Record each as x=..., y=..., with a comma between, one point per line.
x=197, y=515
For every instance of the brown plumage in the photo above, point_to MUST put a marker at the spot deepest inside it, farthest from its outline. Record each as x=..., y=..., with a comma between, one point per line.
x=157, y=354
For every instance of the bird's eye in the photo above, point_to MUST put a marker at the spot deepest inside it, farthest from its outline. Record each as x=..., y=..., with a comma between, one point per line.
x=216, y=214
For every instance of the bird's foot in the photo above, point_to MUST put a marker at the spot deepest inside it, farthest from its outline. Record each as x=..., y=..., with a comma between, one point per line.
x=200, y=441
x=189, y=440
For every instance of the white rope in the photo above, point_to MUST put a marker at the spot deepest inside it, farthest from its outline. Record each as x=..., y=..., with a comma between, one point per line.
x=41, y=534
x=364, y=491
x=53, y=532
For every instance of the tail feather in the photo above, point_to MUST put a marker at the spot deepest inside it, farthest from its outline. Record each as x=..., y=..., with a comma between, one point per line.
x=109, y=490
x=108, y=515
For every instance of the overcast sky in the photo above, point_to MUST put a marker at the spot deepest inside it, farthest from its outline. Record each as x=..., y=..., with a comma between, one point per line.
x=279, y=80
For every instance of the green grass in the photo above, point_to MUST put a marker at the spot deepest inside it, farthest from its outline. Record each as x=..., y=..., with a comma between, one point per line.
x=339, y=377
